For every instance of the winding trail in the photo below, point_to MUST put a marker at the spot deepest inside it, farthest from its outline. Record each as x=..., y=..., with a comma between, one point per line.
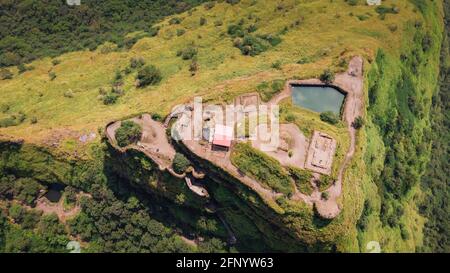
x=155, y=145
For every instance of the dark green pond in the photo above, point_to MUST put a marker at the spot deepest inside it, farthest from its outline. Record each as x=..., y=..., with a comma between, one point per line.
x=54, y=192
x=318, y=98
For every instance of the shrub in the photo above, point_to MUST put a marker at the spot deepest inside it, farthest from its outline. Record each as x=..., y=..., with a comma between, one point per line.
x=276, y=65
x=267, y=91
x=327, y=76
x=130, y=41
x=382, y=10
x=174, y=21
x=102, y=91
x=10, y=58
x=277, y=85
x=180, y=31
x=325, y=195
x=235, y=31
x=290, y=118
x=149, y=75
x=110, y=98
x=352, y=2
x=329, y=117
x=261, y=167
x=156, y=116
x=188, y=53
x=153, y=31
x=70, y=194
x=362, y=17
x=358, y=122
x=5, y=74
x=23, y=68
x=33, y=120
x=209, y=5
x=324, y=182
x=218, y=23
x=107, y=47
x=16, y=212
x=68, y=94
x=302, y=179
x=118, y=78
x=252, y=28
x=273, y=40
x=129, y=132
x=56, y=61
x=202, y=21
x=52, y=75
x=137, y=62
x=4, y=108
x=363, y=221
x=427, y=42
x=252, y=45
x=26, y=190
x=127, y=70
x=393, y=27
x=233, y=2
x=193, y=67
x=12, y=120
x=180, y=163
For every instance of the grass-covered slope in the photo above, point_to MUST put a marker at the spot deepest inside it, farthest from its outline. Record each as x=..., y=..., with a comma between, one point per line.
x=400, y=85
x=28, y=29
x=317, y=34
x=435, y=181
x=261, y=167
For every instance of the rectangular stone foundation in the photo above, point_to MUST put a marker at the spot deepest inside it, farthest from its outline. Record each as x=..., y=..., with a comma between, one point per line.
x=321, y=153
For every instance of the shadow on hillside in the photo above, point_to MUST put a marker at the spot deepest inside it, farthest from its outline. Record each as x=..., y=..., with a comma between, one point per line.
x=119, y=167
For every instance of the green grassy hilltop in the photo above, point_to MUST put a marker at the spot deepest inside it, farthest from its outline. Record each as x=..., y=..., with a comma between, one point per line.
x=318, y=34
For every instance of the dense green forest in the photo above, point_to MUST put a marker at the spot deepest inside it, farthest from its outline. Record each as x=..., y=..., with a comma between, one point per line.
x=435, y=182
x=401, y=92
x=34, y=29
x=114, y=218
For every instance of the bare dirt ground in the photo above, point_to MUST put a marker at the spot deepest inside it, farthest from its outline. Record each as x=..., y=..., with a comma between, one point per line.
x=298, y=147
x=153, y=142
x=48, y=207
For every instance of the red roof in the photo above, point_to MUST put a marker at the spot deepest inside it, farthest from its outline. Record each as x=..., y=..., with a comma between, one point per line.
x=223, y=135
x=221, y=141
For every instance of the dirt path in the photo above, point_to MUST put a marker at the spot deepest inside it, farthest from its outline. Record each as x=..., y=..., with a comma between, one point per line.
x=155, y=145
x=298, y=147
x=352, y=82
x=153, y=142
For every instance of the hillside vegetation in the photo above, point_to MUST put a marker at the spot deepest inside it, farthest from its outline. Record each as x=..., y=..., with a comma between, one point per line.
x=64, y=95
x=77, y=27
